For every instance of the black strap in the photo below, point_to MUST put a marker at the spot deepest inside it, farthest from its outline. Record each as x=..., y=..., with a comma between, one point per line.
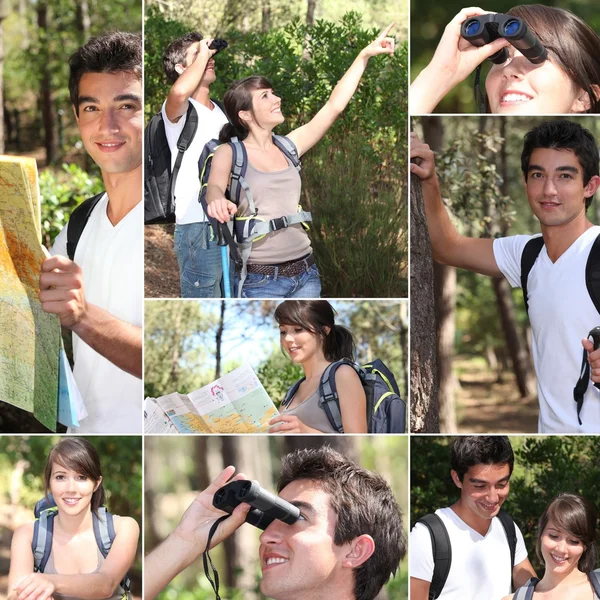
x=530, y=253
x=511, y=536
x=79, y=218
x=183, y=143
x=442, y=553
x=592, y=273
x=479, y=101
x=206, y=557
x=584, y=379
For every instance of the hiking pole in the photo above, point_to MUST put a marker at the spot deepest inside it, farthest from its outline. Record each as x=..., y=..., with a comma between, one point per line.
x=595, y=335
x=224, y=259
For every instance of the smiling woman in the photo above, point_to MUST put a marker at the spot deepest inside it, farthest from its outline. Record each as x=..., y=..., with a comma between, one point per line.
x=75, y=562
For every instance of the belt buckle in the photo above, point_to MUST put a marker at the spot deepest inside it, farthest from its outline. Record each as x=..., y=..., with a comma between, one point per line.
x=279, y=223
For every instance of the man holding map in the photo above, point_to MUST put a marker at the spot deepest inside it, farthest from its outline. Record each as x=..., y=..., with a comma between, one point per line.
x=94, y=280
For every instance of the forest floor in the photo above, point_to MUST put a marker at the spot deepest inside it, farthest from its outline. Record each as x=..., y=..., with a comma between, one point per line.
x=161, y=272
x=485, y=405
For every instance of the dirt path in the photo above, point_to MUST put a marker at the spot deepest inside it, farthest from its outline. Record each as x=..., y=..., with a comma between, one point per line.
x=486, y=406
x=161, y=273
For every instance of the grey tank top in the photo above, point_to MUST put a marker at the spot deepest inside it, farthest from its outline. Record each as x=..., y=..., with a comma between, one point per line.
x=275, y=195
x=51, y=570
x=311, y=414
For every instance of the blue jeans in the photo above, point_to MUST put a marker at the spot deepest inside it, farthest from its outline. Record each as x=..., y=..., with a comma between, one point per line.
x=199, y=259
x=305, y=285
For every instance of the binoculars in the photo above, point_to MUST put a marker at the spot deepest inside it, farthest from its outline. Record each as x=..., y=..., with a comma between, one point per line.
x=218, y=45
x=483, y=29
x=266, y=507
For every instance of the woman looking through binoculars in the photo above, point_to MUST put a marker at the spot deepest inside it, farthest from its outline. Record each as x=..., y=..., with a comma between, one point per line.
x=568, y=81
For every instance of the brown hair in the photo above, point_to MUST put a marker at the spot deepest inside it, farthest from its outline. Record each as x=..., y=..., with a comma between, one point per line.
x=175, y=54
x=576, y=516
x=77, y=454
x=318, y=317
x=363, y=503
x=239, y=97
x=572, y=45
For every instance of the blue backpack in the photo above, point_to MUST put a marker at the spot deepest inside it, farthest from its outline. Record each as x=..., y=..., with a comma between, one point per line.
x=41, y=544
x=386, y=411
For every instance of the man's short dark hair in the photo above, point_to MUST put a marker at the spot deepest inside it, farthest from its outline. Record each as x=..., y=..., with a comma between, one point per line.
x=363, y=503
x=563, y=135
x=471, y=450
x=175, y=53
x=110, y=53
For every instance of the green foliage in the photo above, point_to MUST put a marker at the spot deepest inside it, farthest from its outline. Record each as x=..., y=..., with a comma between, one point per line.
x=278, y=374
x=354, y=180
x=544, y=467
x=61, y=192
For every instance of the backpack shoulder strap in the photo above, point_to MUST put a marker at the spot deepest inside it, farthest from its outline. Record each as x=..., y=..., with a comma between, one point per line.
x=239, y=164
x=442, y=553
x=104, y=532
x=511, y=536
x=329, y=400
x=594, y=577
x=530, y=253
x=525, y=592
x=289, y=149
x=291, y=392
x=592, y=273
x=41, y=543
x=78, y=221
x=183, y=143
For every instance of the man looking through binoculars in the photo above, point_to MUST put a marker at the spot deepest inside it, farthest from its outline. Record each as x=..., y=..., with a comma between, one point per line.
x=346, y=542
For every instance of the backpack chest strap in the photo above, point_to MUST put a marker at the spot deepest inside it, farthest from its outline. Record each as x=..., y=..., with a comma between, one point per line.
x=249, y=229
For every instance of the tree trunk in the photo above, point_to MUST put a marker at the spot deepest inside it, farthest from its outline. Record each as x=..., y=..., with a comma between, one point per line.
x=219, y=340
x=445, y=304
x=266, y=16
x=310, y=12
x=82, y=20
x=50, y=138
x=424, y=415
x=176, y=355
x=151, y=534
x=4, y=11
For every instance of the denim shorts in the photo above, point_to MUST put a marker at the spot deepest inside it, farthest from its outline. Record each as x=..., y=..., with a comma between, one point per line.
x=305, y=285
x=200, y=262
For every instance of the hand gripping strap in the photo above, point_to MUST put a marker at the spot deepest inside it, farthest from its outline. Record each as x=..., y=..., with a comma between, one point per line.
x=442, y=553
x=41, y=543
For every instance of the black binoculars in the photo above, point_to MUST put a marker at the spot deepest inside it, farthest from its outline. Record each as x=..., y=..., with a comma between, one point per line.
x=266, y=507
x=483, y=29
x=218, y=45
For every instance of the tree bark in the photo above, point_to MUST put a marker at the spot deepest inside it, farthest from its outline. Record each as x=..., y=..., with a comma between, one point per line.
x=4, y=12
x=82, y=20
x=50, y=137
x=266, y=16
x=219, y=340
x=445, y=304
x=424, y=407
x=310, y=12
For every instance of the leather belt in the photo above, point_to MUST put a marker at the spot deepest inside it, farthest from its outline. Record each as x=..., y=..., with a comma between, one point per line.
x=287, y=269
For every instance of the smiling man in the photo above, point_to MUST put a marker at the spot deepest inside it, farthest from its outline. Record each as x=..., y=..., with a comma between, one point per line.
x=477, y=532
x=94, y=280
x=559, y=271
x=347, y=543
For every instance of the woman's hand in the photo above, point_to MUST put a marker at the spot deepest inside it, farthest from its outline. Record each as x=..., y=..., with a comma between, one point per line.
x=221, y=209
x=454, y=60
x=382, y=44
x=35, y=586
x=424, y=158
x=289, y=424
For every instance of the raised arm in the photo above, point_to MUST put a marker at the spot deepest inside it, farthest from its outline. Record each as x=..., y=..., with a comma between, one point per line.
x=190, y=537
x=188, y=81
x=62, y=293
x=308, y=135
x=449, y=247
x=454, y=60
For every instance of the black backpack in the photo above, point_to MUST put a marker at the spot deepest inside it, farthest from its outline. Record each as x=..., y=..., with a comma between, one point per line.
x=386, y=411
x=159, y=180
x=592, y=281
x=442, y=550
x=77, y=222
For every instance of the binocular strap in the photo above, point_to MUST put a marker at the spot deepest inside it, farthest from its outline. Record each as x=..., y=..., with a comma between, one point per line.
x=479, y=102
x=207, y=560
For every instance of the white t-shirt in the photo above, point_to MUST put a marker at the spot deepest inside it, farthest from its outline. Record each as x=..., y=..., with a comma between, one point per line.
x=561, y=314
x=112, y=262
x=187, y=186
x=480, y=566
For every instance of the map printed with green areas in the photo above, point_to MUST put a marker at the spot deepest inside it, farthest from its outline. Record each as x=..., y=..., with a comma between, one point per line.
x=29, y=337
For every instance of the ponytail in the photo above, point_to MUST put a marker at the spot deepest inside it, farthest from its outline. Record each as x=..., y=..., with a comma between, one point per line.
x=229, y=131
x=339, y=343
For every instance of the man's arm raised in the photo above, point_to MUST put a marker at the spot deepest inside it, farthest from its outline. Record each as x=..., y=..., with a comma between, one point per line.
x=62, y=294
x=449, y=247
